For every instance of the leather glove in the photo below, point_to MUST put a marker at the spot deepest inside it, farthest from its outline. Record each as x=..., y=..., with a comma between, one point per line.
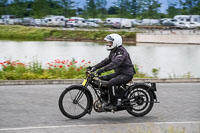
x=93, y=69
x=89, y=68
x=99, y=71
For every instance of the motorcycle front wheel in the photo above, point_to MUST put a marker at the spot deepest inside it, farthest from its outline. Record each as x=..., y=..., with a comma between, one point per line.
x=74, y=102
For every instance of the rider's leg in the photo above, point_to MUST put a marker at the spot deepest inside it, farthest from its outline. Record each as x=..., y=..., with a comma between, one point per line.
x=118, y=80
x=105, y=89
x=108, y=77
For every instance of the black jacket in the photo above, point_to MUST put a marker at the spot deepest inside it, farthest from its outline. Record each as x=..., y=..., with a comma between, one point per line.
x=119, y=60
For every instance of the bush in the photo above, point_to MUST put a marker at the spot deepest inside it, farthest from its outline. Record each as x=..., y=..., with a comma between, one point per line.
x=155, y=72
x=57, y=69
x=29, y=75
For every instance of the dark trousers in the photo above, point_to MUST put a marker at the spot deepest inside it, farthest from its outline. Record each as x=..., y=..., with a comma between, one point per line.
x=115, y=80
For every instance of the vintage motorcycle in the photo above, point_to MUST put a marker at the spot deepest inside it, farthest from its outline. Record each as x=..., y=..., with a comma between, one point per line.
x=77, y=100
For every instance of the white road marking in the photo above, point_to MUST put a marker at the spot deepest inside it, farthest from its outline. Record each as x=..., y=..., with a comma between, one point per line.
x=93, y=125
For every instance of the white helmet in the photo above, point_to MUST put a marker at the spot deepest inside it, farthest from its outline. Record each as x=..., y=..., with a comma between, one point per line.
x=116, y=40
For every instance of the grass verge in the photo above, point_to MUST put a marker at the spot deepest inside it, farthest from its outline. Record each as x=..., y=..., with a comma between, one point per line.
x=10, y=32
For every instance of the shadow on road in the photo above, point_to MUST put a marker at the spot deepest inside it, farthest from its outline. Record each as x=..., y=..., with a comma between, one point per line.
x=111, y=119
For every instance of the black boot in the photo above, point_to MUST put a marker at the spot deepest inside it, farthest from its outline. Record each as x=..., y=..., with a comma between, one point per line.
x=104, y=95
x=113, y=99
x=110, y=107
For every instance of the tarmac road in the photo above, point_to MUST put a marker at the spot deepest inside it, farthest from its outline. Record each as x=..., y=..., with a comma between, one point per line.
x=34, y=108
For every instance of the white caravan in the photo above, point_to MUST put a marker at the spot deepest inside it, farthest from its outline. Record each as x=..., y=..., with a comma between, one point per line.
x=76, y=23
x=187, y=18
x=92, y=24
x=135, y=22
x=187, y=21
x=18, y=21
x=7, y=16
x=112, y=20
x=8, y=19
x=1, y=21
x=119, y=22
x=28, y=21
x=41, y=22
x=55, y=20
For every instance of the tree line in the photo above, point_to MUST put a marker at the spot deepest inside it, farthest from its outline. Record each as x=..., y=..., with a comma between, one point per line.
x=97, y=8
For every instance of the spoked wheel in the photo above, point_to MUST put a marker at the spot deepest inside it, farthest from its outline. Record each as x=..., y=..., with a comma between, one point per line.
x=141, y=101
x=74, y=102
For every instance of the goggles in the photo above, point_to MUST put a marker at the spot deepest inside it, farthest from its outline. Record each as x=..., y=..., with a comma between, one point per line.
x=109, y=38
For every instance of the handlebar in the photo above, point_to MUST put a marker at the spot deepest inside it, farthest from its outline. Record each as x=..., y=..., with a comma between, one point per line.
x=93, y=74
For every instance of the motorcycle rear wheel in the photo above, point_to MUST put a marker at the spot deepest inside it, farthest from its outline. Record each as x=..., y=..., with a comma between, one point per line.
x=141, y=101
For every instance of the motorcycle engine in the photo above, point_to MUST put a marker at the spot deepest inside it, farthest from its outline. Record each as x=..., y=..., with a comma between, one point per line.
x=98, y=107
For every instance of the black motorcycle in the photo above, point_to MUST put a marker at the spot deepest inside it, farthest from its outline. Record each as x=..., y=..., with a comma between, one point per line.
x=77, y=100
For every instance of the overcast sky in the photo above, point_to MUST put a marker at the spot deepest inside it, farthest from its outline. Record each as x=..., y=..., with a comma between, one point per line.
x=110, y=2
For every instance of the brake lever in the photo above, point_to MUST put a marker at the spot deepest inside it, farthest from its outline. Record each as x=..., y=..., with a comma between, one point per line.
x=93, y=73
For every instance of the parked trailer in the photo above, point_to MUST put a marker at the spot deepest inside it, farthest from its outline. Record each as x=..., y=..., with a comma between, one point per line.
x=41, y=22
x=92, y=24
x=55, y=20
x=1, y=21
x=7, y=16
x=136, y=22
x=76, y=23
x=119, y=22
x=9, y=21
x=187, y=21
x=18, y=21
x=187, y=18
x=38, y=22
x=112, y=20
x=28, y=21
x=123, y=23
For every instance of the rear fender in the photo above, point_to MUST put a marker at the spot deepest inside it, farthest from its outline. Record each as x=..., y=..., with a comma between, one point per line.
x=149, y=87
x=153, y=89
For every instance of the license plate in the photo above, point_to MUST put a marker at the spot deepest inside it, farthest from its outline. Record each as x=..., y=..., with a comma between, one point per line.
x=84, y=82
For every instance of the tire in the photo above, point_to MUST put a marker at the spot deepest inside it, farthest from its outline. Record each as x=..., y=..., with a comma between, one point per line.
x=144, y=97
x=69, y=105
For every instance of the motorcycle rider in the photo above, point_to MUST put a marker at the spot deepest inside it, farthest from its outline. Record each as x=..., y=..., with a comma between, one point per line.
x=120, y=61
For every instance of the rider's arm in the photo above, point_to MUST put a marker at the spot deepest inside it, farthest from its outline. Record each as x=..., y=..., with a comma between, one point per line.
x=118, y=60
x=103, y=63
